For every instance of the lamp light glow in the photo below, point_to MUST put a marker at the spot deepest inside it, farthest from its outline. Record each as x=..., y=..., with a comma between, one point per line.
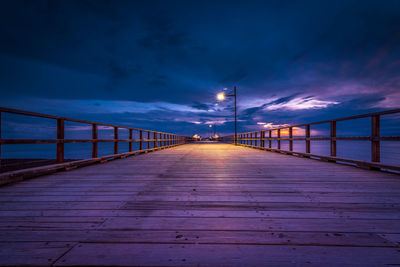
x=221, y=96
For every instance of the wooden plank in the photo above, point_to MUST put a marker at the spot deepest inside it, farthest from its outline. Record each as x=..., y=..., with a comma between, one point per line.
x=190, y=196
x=32, y=253
x=256, y=212
x=222, y=255
x=204, y=237
x=255, y=224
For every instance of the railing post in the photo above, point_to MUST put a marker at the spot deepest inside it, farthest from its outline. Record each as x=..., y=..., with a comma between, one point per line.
x=140, y=139
x=116, y=140
x=165, y=140
x=130, y=139
x=255, y=137
x=375, y=139
x=95, y=143
x=308, y=135
x=262, y=135
x=60, y=140
x=333, y=138
x=155, y=139
x=290, y=138
x=148, y=138
x=279, y=139
x=269, y=140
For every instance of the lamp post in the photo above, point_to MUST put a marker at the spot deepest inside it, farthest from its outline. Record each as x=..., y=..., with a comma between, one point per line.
x=221, y=96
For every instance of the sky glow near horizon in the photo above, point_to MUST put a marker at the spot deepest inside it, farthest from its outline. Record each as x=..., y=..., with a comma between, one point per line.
x=159, y=65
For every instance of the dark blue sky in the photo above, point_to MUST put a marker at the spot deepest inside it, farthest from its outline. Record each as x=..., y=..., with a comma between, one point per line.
x=159, y=64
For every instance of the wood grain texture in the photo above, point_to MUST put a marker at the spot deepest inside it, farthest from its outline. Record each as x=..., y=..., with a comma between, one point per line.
x=203, y=205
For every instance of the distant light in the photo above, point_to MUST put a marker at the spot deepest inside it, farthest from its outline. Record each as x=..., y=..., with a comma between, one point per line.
x=210, y=125
x=225, y=89
x=221, y=96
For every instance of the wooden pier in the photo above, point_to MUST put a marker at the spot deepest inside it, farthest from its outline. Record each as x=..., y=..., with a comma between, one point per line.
x=203, y=205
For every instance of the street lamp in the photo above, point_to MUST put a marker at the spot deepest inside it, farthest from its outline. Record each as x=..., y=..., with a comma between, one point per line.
x=215, y=129
x=221, y=96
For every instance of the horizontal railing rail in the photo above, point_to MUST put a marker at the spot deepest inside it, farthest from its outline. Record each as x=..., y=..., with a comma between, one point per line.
x=153, y=140
x=257, y=139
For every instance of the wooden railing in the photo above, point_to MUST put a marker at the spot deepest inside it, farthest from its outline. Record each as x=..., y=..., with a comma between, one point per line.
x=153, y=139
x=257, y=139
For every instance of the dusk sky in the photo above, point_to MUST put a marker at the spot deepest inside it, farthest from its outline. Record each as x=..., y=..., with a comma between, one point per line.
x=159, y=64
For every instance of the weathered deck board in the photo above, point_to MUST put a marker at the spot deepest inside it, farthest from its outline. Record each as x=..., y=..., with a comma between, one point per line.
x=203, y=204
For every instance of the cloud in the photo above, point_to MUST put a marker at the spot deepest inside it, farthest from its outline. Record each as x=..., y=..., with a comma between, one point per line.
x=301, y=103
x=283, y=99
x=202, y=106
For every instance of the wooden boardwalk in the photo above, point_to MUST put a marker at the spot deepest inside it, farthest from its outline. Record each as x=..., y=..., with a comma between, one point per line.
x=207, y=205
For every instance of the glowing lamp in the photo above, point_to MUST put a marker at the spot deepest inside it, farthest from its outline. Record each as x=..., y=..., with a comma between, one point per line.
x=221, y=96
